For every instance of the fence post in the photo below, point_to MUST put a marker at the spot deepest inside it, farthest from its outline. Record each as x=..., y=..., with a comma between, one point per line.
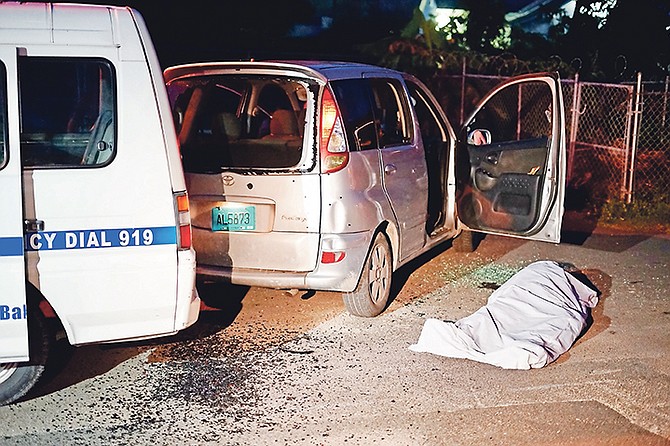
x=463, y=90
x=665, y=108
x=574, y=124
x=637, y=115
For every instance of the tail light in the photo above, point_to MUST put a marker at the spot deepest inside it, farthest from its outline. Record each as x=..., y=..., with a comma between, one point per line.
x=332, y=256
x=183, y=220
x=334, y=154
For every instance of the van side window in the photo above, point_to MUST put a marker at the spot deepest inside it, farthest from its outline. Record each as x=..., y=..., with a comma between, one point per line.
x=68, y=112
x=353, y=99
x=391, y=112
x=3, y=116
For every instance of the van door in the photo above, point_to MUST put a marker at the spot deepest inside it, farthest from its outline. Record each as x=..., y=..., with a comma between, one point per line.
x=250, y=171
x=404, y=173
x=101, y=237
x=13, y=311
x=511, y=160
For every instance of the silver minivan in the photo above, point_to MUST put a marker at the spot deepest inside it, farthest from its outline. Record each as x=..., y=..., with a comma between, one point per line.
x=317, y=175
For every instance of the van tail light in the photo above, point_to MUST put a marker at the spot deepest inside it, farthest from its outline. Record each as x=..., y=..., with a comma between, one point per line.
x=183, y=220
x=332, y=256
x=334, y=154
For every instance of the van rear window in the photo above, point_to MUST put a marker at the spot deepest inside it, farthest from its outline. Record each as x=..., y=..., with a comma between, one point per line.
x=68, y=109
x=227, y=122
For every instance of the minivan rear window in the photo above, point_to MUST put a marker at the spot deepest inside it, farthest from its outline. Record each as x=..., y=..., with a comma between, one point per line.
x=232, y=121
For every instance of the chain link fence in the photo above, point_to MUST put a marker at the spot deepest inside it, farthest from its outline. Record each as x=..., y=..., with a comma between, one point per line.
x=652, y=160
x=618, y=134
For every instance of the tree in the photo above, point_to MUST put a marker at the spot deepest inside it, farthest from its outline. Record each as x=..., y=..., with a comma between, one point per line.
x=636, y=35
x=486, y=22
x=611, y=40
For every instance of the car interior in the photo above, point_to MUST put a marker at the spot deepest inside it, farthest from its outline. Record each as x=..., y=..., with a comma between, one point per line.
x=230, y=122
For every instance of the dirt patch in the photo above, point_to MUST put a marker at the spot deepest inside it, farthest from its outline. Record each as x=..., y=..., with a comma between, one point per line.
x=234, y=319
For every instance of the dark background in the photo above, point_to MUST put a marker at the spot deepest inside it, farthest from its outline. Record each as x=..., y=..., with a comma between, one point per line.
x=199, y=30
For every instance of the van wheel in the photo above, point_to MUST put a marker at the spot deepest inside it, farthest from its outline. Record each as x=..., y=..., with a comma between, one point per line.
x=374, y=287
x=17, y=378
x=465, y=242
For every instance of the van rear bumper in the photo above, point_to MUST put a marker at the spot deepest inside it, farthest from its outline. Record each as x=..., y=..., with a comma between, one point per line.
x=341, y=276
x=188, y=301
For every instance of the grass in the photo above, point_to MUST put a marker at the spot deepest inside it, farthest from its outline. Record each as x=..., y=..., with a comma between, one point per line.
x=647, y=212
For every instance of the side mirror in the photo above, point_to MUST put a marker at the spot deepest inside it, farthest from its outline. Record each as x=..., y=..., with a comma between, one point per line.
x=479, y=137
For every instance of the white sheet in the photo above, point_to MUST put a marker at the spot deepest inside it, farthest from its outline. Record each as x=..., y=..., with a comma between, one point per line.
x=528, y=322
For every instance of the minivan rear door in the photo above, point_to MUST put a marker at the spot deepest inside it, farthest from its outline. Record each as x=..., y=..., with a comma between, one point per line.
x=251, y=167
x=13, y=311
x=510, y=165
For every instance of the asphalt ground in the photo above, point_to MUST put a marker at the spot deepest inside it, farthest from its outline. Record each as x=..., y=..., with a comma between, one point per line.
x=347, y=380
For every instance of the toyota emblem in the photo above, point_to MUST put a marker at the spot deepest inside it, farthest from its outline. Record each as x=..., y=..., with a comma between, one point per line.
x=228, y=180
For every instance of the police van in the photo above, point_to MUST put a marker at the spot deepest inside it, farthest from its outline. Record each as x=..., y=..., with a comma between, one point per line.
x=95, y=234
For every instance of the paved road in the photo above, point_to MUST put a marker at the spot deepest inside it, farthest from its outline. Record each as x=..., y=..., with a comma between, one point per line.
x=354, y=381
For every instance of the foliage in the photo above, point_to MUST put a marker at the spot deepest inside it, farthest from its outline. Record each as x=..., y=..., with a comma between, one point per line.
x=415, y=56
x=603, y=41
x=486, y=25
x=426, y=28
x=649, y=209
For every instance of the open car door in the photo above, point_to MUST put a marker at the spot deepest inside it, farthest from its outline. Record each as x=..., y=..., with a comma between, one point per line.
x=510, y=169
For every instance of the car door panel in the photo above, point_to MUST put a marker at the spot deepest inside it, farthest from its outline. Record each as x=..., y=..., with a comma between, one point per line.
x=513, y=184
x=13, y=306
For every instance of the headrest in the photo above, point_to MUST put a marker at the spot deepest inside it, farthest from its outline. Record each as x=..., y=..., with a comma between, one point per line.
x=283, y=123
x=229, y=125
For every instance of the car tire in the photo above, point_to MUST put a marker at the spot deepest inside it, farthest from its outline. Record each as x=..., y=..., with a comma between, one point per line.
x=372, y=293
x=464, y=242
x=17, y=378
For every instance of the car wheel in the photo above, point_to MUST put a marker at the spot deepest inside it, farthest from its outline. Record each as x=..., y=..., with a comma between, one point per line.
x=17, y=378
x=374, y=287
x=464, y=242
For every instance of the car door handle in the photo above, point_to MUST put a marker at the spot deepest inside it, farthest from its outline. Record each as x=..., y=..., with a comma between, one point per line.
x=390, y=169
x=33, y=225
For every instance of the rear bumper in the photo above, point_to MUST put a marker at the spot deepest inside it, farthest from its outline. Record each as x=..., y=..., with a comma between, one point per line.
x=341, y=276
x=188, y=302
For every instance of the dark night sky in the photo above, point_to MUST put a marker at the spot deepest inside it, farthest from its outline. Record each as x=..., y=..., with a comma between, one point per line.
x=204, y=30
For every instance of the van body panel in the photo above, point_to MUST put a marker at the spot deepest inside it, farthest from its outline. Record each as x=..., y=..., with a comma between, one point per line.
x=360, y=188
x=147, y=53
x=13, y=305
x=291, y=227
x=110, y=203
x=406, y=183
x=104, y=251
x=323, y=277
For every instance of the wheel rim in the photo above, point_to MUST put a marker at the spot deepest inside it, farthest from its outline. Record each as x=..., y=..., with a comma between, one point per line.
x=7, y=370
x=379, y=274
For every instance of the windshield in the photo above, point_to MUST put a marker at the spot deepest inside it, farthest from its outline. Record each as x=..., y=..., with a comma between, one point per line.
x=231, y=121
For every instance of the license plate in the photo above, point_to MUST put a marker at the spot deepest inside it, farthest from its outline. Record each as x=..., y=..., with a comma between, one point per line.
x=234, y=218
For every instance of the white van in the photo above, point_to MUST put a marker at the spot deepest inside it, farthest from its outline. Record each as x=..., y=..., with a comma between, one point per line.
x=95, y=233
x=331, y=175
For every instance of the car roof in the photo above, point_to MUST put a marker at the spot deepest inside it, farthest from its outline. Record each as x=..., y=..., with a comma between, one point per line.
x=317, y=69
